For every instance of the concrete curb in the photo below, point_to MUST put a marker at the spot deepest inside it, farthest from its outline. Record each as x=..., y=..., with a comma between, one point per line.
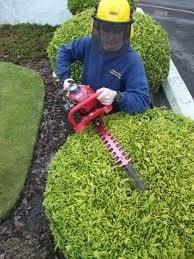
x=176, y=91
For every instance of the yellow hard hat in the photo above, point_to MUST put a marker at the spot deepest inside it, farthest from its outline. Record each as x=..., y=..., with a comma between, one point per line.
x=114, y=11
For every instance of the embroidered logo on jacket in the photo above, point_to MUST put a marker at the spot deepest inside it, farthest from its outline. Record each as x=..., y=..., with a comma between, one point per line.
x=115, y=73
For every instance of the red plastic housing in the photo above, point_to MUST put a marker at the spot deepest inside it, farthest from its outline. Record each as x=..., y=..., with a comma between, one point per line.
x=88, y=110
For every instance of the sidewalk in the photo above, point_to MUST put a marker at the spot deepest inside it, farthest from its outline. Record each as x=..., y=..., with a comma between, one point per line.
x=33, y=11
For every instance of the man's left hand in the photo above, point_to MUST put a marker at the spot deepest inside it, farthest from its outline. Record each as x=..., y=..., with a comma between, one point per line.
x=106, y=96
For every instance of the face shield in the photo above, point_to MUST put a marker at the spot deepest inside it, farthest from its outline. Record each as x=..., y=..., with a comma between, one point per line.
x=111, y=37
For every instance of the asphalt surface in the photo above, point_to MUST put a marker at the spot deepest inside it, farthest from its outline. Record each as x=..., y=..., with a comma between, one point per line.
x=177, y=17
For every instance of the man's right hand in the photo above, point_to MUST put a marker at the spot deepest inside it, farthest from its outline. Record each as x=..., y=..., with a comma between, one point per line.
x=67, y=83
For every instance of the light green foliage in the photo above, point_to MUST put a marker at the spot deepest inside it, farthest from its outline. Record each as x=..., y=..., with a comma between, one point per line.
x=150, y=40
x=92, y=206
x=21, y=104
x=77, y=6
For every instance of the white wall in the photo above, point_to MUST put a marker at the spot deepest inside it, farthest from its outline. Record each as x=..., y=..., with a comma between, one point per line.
x=34, y=11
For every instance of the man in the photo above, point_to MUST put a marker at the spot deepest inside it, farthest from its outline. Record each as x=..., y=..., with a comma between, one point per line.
x=110, y=66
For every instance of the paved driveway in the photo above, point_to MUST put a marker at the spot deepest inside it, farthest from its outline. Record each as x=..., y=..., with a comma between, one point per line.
x=177, y=16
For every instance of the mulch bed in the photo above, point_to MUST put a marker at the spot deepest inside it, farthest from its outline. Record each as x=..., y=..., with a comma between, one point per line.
x=25, y=233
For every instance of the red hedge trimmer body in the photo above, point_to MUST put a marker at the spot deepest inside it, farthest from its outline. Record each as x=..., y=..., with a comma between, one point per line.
x=83, y=108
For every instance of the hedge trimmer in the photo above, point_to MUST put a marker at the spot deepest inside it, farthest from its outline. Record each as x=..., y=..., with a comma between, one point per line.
x=83, y=108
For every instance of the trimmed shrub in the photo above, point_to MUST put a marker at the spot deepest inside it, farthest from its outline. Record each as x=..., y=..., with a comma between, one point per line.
x=94, y=210
x=77, y=6
x=150, y=40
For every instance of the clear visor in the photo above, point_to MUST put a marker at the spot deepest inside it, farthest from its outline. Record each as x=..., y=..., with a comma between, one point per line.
x=108, y=27
x=111, y=37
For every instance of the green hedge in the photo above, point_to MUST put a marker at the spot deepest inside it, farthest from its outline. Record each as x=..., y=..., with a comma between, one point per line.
x=94, y=210
x=150, y=40
x=77, y=6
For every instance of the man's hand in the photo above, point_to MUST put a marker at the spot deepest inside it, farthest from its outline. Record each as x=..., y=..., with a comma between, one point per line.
x=67, y=83
x=106, y=96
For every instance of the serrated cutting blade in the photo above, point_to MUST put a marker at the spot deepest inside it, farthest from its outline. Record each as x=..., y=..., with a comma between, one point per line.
x=121, y=158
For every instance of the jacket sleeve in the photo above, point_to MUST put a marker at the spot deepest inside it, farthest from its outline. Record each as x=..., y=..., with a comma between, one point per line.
x=67, y=54
x=135, y=98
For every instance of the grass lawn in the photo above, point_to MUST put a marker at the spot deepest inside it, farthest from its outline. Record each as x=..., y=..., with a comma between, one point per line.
x=21, y=106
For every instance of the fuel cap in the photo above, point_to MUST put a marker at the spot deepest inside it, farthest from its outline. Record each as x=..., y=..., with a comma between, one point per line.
x=74, y=88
